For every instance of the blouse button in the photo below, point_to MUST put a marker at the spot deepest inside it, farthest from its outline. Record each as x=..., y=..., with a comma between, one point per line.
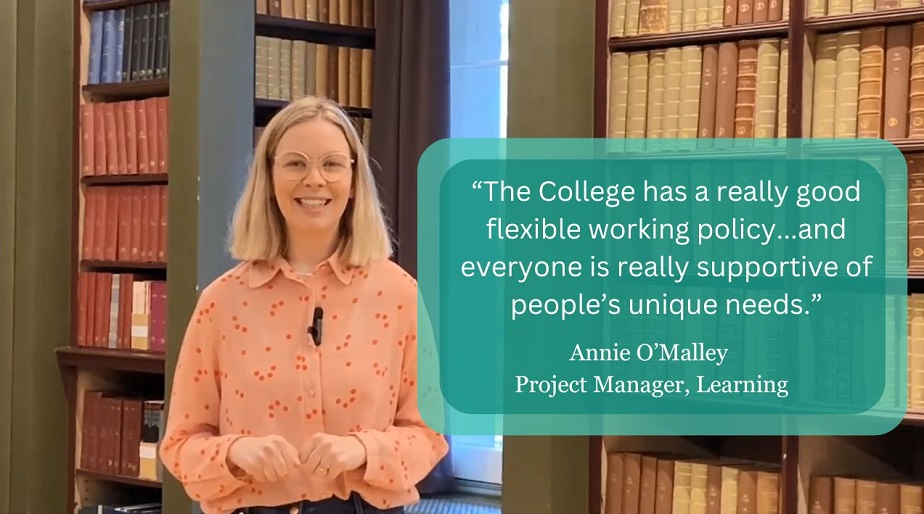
x=311, y=393
x=293, y=510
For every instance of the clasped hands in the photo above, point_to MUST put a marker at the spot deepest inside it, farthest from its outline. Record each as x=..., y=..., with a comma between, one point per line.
x=272, y=457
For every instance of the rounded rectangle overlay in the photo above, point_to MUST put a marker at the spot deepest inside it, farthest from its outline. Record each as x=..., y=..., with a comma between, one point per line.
x=662, y=286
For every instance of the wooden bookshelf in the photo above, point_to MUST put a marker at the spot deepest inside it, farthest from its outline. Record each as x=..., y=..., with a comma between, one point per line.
x=325, y=52
x=795, y=460
x=102, y=5
x=128, y=90
x=120, y=192
x=122, y=266
x=111, y=360
x=865, y=19
x=113, y=180
x=699, y=37
x=120, y=479
x=313, y=31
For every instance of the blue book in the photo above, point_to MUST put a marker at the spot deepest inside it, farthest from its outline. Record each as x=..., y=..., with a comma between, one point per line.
x=120, y=44
x=109, y=47
x=94, y=75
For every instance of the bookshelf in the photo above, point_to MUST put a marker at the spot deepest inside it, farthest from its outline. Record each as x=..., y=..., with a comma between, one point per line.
x=653, y=61
x=323, y=48
x=154, y=140
x=114, y=368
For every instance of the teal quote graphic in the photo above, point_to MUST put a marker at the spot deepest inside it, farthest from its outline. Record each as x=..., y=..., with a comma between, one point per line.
x=659, y=287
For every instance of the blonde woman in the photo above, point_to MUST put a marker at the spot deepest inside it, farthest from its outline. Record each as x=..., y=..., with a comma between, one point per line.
x=295, y=389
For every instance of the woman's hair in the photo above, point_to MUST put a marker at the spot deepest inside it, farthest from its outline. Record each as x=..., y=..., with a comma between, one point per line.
x=258, y=228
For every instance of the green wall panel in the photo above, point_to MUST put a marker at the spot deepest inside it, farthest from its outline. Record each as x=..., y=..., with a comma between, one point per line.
x=8, y=48
x=550, y=94
x=35, y=229
x=211, y=140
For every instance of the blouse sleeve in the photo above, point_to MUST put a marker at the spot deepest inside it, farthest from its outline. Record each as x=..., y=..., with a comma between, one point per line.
x=402, y=455
x=193, y=450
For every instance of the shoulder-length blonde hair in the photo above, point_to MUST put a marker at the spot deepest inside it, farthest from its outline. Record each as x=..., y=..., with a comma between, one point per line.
x=258, y=228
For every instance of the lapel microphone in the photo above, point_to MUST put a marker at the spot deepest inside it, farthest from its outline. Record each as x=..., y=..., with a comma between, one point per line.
x=316, y=324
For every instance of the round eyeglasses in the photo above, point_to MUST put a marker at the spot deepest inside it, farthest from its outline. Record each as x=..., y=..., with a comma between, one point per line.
x=333, y=167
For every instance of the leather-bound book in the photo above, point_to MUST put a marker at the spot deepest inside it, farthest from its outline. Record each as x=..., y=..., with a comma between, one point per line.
x=846, y=84
x=726, y=87
x=746, y=91
x=916, y=104
x=897, y=81
x=869, y=93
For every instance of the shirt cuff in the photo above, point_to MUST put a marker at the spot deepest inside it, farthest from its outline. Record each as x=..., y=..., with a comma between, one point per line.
x=375, y=467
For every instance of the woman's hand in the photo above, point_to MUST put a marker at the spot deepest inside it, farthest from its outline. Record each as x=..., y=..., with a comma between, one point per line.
x=265, y=459
x=330, y=455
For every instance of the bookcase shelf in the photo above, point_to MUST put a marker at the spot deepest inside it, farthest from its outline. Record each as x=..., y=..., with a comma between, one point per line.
x=102, y=5
x=117, y=266
x=108, y=359
x=265, y=109
x=645, y=87
x=909, y=145
x=120, y=479
x=698, y=37
x=314, y=31
x=128, y=90
x=114, y=180
x=913, y=418
x=865, y=19
x=115, y=368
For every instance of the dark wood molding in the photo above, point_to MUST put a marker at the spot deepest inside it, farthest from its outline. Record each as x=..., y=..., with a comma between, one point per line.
x=104, y=5
x=865, y=19
x=81, y=357
x=314, y=31
x=699, y=37
x=115, y=180
x=131, y=90
x=909, y=145
x=117, y=266
x=121, y=479
x=265, y=109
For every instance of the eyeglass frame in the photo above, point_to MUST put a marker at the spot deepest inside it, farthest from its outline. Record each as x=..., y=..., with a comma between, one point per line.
x=311, y=163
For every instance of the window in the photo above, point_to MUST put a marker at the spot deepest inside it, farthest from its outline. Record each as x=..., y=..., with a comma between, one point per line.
x=478, y=108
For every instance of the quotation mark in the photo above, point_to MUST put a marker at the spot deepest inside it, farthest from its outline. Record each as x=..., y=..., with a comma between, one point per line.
x=816, y=297
x=477, y=184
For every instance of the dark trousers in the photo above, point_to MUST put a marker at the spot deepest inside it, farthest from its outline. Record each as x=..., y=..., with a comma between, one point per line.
x=334, y=505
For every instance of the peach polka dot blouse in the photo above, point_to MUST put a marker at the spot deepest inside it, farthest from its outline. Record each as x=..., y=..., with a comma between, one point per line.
x=248, y=366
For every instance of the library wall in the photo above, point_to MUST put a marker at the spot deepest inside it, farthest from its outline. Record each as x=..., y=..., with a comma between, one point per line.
x=549, y=474
x=35, y=224
x=733, y=69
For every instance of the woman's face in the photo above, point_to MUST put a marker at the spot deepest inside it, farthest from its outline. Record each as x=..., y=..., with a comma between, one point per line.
x=313, y=178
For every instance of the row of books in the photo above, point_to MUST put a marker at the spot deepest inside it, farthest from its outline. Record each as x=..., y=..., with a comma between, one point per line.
x=125, y=138
x=129, y=44
x=121, y=311
x=832, y=494
x=819, y=8
x=125, y=223
x=288, y=69
x=915, y=162
x=916, y=352
x=356, y=13
x=729, y=89
x=120, y=432
x=642, y=483
x=869, y=83
x=642, y=17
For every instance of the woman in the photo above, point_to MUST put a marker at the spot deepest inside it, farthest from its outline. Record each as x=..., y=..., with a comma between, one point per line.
x=296, y=382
